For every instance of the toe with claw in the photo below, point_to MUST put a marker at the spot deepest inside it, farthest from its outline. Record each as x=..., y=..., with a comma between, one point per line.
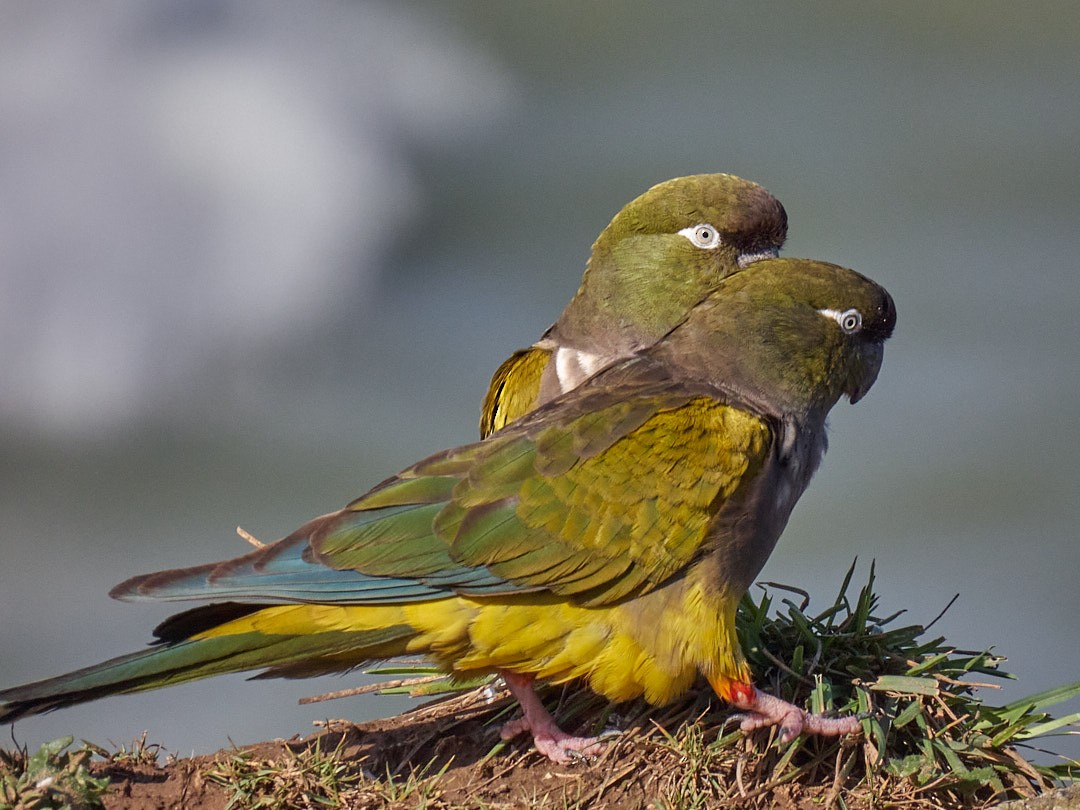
x=761, y=710
x=550, y=740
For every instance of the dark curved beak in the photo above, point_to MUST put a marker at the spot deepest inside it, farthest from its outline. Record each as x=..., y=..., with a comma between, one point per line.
x=872, y=355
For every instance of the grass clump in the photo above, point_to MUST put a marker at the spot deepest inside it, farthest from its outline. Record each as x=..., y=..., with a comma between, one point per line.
x=926, y=734
x=305, y=778
x=52, y=777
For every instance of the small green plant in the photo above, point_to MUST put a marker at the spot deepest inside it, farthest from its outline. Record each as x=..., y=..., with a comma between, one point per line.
x=51, y=778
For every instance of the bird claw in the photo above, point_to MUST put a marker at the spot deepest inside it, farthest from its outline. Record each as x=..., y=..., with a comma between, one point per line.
x=579, y=756
x=762, y=711
x=562, y=749
x=558, y=746
x=512, y=728
x=550, y=740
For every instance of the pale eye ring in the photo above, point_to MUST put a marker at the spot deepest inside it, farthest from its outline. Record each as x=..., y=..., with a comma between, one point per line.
x=703, y=236
x=850, y=321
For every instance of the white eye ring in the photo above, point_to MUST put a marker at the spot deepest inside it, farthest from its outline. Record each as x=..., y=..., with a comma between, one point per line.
x=702, y=236
x=850, y=320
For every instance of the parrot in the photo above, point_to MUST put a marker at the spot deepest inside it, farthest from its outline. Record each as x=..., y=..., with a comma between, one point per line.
x=658, y=257
x=604, y=538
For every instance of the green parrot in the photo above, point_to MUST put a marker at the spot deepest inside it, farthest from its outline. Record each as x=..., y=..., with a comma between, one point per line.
x=658, y=257
x=606, y=537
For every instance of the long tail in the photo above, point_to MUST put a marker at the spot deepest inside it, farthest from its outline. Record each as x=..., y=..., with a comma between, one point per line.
x=283, y=640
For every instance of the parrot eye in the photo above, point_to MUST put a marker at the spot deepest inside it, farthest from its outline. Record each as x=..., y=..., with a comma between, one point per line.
x=850, y=320
x=702, y=236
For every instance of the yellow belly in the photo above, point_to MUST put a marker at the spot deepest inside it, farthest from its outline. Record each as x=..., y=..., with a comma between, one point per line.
x=653, y=645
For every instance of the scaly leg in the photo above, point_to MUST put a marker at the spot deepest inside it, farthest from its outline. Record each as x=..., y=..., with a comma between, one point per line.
x=549, y=739
x=764, y=710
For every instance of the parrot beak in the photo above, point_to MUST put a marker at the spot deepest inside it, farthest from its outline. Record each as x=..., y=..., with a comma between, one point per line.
x=871, y=352
x=871, y=357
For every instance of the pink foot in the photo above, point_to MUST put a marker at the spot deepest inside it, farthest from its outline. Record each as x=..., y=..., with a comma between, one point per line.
x=764, y=710
x=549, y=739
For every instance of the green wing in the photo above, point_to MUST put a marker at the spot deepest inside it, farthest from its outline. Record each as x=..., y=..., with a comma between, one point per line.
x=604, y=495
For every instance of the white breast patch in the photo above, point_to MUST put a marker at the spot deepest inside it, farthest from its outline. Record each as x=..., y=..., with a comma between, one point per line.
x=573, y=366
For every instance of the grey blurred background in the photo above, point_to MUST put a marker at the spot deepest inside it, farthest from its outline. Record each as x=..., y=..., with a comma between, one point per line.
x=256, y=257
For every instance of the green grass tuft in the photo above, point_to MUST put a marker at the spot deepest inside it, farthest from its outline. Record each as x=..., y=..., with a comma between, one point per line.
x=926, y=732
x=305, y=778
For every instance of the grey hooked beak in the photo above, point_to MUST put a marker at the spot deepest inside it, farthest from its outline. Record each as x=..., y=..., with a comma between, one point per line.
x=872, y=356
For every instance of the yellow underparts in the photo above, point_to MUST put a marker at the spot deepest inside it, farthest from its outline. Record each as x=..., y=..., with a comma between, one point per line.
x=653, y=645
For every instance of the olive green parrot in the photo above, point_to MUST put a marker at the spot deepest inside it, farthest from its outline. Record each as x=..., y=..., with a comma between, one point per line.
x=658, y=257
x=606, y=537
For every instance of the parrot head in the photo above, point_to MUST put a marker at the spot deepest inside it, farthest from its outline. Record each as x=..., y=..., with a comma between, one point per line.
x=791, y=335
x=662, y=253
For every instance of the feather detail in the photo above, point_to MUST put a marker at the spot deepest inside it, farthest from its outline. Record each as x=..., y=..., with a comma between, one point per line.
x=514, y=389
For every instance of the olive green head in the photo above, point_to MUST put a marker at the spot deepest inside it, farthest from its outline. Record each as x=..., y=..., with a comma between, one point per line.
x=791, y=334
x=662, y=253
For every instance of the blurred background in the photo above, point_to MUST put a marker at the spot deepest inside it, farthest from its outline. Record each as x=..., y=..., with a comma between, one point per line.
x=254, y=258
